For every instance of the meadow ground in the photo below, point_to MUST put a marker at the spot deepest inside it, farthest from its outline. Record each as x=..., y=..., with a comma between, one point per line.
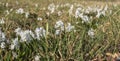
x=59, y=30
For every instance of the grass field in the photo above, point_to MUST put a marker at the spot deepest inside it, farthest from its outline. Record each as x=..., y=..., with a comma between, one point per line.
x=59, y=30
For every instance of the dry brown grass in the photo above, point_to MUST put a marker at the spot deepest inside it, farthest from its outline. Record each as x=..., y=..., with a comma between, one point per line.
x=46, y=2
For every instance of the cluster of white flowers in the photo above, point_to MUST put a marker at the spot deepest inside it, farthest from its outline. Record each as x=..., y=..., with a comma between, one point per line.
x=51, y=8
x=40, y=32
x=59, y=26
x=81, y=13
x=101, y=11
x=78, y=12
x=26, y=35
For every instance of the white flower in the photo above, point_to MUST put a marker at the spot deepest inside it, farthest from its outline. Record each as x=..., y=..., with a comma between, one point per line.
x=61, y=5
x=18, y=31
x=59, y=24
x=43, y=8
x=39, y=19
x=26, y=14
x=60, y=27
x=57, y=32
x=11, y=9
x=48, y=14
x=2, y=21
x=85, y=18
x=7, y=12
x=91, y=33
x=17, y=2
x=88, y=10
x=106, y=8
x=36, y=5
x=37, y=58
x=77, y=22
x=67, y=5
x=2, y=45
x=2, y=36
x=101, y=12
x=98, y=15
x=110, y=11
x=15, y=44
x=20, y=11
x=115, y=5
x=70, y=10
x=59, y=13
x=15, y=41
x=6, y=5
x=57, y=6
x=78, y=12
x=69, y=27
x=14, y=54
x=40, y=32
x=12, y=46
x=51, y=7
